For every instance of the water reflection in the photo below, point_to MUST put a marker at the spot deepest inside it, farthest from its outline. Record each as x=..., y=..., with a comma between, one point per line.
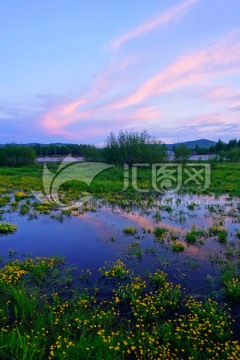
x=89, y=239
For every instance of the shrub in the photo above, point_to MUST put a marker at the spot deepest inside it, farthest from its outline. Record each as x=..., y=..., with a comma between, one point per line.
x=129, y=147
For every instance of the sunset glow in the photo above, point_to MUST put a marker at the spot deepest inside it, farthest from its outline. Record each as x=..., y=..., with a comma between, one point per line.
x=73, y=75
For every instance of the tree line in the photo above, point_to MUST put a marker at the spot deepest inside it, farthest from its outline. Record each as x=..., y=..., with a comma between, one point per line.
x=17, y=155
x=226, y=151
x=221, y=151
x=86, y=151
x=20, y=155
x=126, y=147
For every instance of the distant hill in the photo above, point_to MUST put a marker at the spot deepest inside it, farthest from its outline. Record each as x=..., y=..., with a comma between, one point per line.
x=203, y=143
x=34, y=144
x=56, y=144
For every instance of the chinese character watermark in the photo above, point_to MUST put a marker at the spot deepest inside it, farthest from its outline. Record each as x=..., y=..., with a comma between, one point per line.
x=169, y=177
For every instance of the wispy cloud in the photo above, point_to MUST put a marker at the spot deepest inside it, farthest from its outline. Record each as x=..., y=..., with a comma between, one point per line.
x=226, y=95
x=222, y=57
x=214, y=126
x=63, y=115
x=235, y=108
x=112, y=104
x=55, y=120
x=170, y=15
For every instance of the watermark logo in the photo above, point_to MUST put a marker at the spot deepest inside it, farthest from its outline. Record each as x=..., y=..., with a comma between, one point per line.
x=170, y=177
x=69, y=169
x=165, y=178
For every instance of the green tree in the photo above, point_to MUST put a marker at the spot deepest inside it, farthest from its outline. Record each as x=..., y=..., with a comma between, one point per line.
x=181, y=153
x=129, y=147
x=233, y=154
x=232, y=144
x=220, y=146
x=17, y=155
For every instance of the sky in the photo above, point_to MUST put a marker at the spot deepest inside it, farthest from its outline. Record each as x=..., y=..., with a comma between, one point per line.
x=74, y=71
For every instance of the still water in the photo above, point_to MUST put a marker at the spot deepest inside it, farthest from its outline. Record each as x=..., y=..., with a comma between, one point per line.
x=88, y=240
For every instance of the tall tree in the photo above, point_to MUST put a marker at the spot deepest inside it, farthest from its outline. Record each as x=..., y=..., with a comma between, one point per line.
x=129, y=147
x=181, y=153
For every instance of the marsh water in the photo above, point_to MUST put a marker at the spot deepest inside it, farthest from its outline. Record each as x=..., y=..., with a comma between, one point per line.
x=56, y=159
x=88, y=239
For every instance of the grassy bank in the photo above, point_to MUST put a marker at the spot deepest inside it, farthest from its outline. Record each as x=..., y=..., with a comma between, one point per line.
x=224, y=179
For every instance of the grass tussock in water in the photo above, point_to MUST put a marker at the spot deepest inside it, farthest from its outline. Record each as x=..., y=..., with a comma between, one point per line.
x=6, y=228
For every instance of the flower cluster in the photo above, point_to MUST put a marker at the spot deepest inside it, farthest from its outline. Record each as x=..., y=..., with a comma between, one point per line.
x=115, y=269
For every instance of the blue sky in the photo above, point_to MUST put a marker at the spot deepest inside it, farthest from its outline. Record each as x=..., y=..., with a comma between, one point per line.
x=72, y=71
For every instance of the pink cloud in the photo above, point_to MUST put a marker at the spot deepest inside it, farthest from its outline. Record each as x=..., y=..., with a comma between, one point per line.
x=209, y=126
x=223, y=57
x=169, y=15
x=193, y=69
x=61, y=116
x=225, y=94
x=145, y=113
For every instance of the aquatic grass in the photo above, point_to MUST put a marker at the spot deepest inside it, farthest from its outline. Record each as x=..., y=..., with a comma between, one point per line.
x=19, y=195
x=85, y=275
x=44, y=208
x=30, y=269
x=24, y=209
x=231, y=289
x=134, y=250
x=157, y=216
x=115, y=269
x=191, y=206
x=129, y=230
x=159, y=232
x=141, y=319
x=177, y=247
x=220, y=233
x=196, y=234
x=6, y=228
x=159, y=278
x=4, y=200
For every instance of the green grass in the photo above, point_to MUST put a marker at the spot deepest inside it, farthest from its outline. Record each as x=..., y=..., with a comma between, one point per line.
x=6, y=228
x=232, y=290
x=140, y=318
x=113, y=269
x=19, y=195
x=177, y=247
x=196, y=234
x=4, y=200
x=129, y=230
x=220, y=233
x=224, y=180
x=159, y=232
x=43, y=316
